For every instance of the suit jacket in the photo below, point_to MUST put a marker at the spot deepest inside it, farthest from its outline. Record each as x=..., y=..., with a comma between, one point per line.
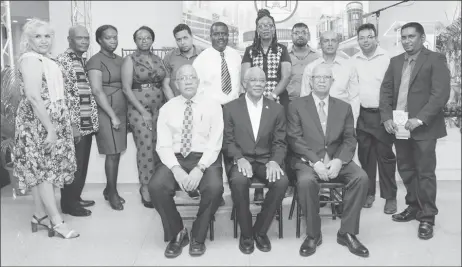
x=429, y=89
x=305, y=135
x=238, y=137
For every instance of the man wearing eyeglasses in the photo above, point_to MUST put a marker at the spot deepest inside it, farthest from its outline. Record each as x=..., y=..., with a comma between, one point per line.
x=219, y=67
x=374, y=143
x=345, y=85
x=254, y=146
x=189, y=142
x=321, y=134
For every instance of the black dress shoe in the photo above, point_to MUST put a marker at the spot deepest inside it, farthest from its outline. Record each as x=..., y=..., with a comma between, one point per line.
x=407, y=215
x=176, y=245
x=106, y=196
x=77, y=211
x=246, y=245
x=353, y=244
x=195, y=248
x=147, y=204
x=425, y=230
x=309, y=245
x=86, y=203
x=262, y=241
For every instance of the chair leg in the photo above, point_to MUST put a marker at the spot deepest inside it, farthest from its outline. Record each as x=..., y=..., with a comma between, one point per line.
x=299, y=220
x=232, y=213
x=212, y=230
x=235, y=222
x=292, y=206
x=332, y=205
x=281, y=228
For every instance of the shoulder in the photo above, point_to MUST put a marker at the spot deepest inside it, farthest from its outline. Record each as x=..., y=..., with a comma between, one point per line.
x=233, y=52
x=282, y=47
x=170, y=104
x=338, y=103
x=63, y=57
x=233, y=104
x=436, y=55
x=298, y=102
x=95, y=58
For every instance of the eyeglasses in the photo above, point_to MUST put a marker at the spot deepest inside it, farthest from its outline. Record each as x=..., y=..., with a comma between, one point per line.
x=257, y=80
x=220, y=34
x=370, y=37
x=187, y=78
x=300, y=33
x=319, y=77
x=265, y=26
x=148, y=38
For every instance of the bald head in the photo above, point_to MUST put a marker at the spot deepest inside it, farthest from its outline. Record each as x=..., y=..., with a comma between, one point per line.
x=79, y=39
x=187, y=81
x=329, y=42
x=254, y=72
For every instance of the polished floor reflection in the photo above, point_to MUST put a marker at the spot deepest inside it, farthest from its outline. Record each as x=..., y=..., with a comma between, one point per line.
x=134, y=236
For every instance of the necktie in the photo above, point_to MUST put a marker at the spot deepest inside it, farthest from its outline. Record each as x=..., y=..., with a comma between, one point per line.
x=225, y=78
x=404, y=87
x=186, y=132
x=322, y=116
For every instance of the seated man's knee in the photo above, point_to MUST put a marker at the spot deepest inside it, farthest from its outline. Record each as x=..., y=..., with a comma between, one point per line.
x=159, y=182
x=214, y=186
x=282, y=183
x=306, y=182
x=362, y=178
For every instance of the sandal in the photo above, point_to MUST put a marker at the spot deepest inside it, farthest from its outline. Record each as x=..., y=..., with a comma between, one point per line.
x=36, y=222
x=54, y=230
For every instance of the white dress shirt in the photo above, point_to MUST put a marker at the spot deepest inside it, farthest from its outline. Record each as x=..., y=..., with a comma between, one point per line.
x=345, y=85
x=254, y=114
x=371, y=72
x=208, y=68
x=207, y=130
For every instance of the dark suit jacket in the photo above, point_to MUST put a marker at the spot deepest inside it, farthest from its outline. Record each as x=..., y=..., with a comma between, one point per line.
x=305, y=135
x=238, y=137
x=429, y=89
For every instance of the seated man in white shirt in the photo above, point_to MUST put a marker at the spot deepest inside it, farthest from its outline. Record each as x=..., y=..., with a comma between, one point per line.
x=254, y=146
x=189, y=141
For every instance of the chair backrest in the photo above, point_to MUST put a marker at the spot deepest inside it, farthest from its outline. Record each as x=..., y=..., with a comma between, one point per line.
x=160, y=52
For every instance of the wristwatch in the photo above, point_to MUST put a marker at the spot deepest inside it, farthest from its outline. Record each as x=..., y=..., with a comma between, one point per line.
x=201, y=167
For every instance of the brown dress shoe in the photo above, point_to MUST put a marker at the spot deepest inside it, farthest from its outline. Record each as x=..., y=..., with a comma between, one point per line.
x=369, y=201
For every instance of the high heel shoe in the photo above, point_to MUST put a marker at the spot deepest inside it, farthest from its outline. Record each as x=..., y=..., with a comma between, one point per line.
x=36, y=222
x=147, y=204
x=53, y=231
x=114, y=202
x=106, y=196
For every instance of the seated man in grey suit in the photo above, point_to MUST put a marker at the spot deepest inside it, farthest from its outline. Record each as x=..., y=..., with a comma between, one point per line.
x=254, y=146
x=321, y=134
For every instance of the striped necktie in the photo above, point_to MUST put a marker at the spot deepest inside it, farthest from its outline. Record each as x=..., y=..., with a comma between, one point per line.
x=186, y=132
x=225, y=78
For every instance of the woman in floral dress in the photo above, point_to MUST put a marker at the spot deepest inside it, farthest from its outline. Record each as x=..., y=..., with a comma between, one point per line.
x=44, y=154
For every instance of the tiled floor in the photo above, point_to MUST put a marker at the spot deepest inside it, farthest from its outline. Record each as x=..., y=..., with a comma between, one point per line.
x=135, y=236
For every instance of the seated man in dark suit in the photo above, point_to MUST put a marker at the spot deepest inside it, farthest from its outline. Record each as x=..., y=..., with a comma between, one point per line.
x=254, y=146
x=321, y=134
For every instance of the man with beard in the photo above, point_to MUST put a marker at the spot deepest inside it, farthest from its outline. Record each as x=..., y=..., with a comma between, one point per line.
x=301, y=55
x=219, y=67
x=185, y=54
x=84, y=118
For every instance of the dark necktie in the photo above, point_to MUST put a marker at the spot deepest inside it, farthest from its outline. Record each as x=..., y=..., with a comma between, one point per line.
x=225, y=78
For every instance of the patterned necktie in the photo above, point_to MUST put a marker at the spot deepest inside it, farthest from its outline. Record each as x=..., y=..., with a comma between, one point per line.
x=404, y=87
x=322, y=116
x=186, y=132
x=225, y=78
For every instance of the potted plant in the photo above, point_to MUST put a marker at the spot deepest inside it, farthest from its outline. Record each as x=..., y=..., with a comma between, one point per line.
x=10, y=97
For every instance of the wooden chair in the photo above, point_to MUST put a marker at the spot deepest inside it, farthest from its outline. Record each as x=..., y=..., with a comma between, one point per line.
x=195, y=203
x=335, y=200
x=255, y=183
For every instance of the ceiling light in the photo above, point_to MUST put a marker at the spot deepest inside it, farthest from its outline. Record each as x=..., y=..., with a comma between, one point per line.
x=14, y=21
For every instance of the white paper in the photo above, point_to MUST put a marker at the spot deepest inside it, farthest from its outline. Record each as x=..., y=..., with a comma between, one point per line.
x=400, y=117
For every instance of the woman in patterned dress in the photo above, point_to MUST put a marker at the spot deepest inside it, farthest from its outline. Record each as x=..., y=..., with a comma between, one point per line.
x=142, y=77
x=273, y=58
x=104, y=75
x=44, y=154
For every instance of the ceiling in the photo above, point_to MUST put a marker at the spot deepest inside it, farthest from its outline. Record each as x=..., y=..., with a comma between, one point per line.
x=22, y=10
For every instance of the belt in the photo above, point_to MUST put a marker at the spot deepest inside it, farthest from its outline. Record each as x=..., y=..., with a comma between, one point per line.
x=146, y=85
x=373, y=110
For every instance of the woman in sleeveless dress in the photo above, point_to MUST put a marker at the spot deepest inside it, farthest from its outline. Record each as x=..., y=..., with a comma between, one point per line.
x=44, y=154
x=105, y=81
x=142, y=77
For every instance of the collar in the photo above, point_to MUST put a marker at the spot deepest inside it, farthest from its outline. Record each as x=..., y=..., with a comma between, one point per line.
x=378, y=52
x=414, y=57
x=194, y=99
x=310, y=50
x=216, y=51
x=339, y=60
x=178, y=52
x=71, y=51
x=250, y=102
x=317, y=100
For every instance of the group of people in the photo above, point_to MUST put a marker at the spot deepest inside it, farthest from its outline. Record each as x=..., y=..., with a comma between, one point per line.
x=281, y=117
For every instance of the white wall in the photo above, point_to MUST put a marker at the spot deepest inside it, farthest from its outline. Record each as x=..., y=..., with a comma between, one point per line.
x=60, y=19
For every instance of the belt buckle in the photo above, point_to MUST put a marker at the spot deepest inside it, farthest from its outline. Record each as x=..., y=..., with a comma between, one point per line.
x=146, y=85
